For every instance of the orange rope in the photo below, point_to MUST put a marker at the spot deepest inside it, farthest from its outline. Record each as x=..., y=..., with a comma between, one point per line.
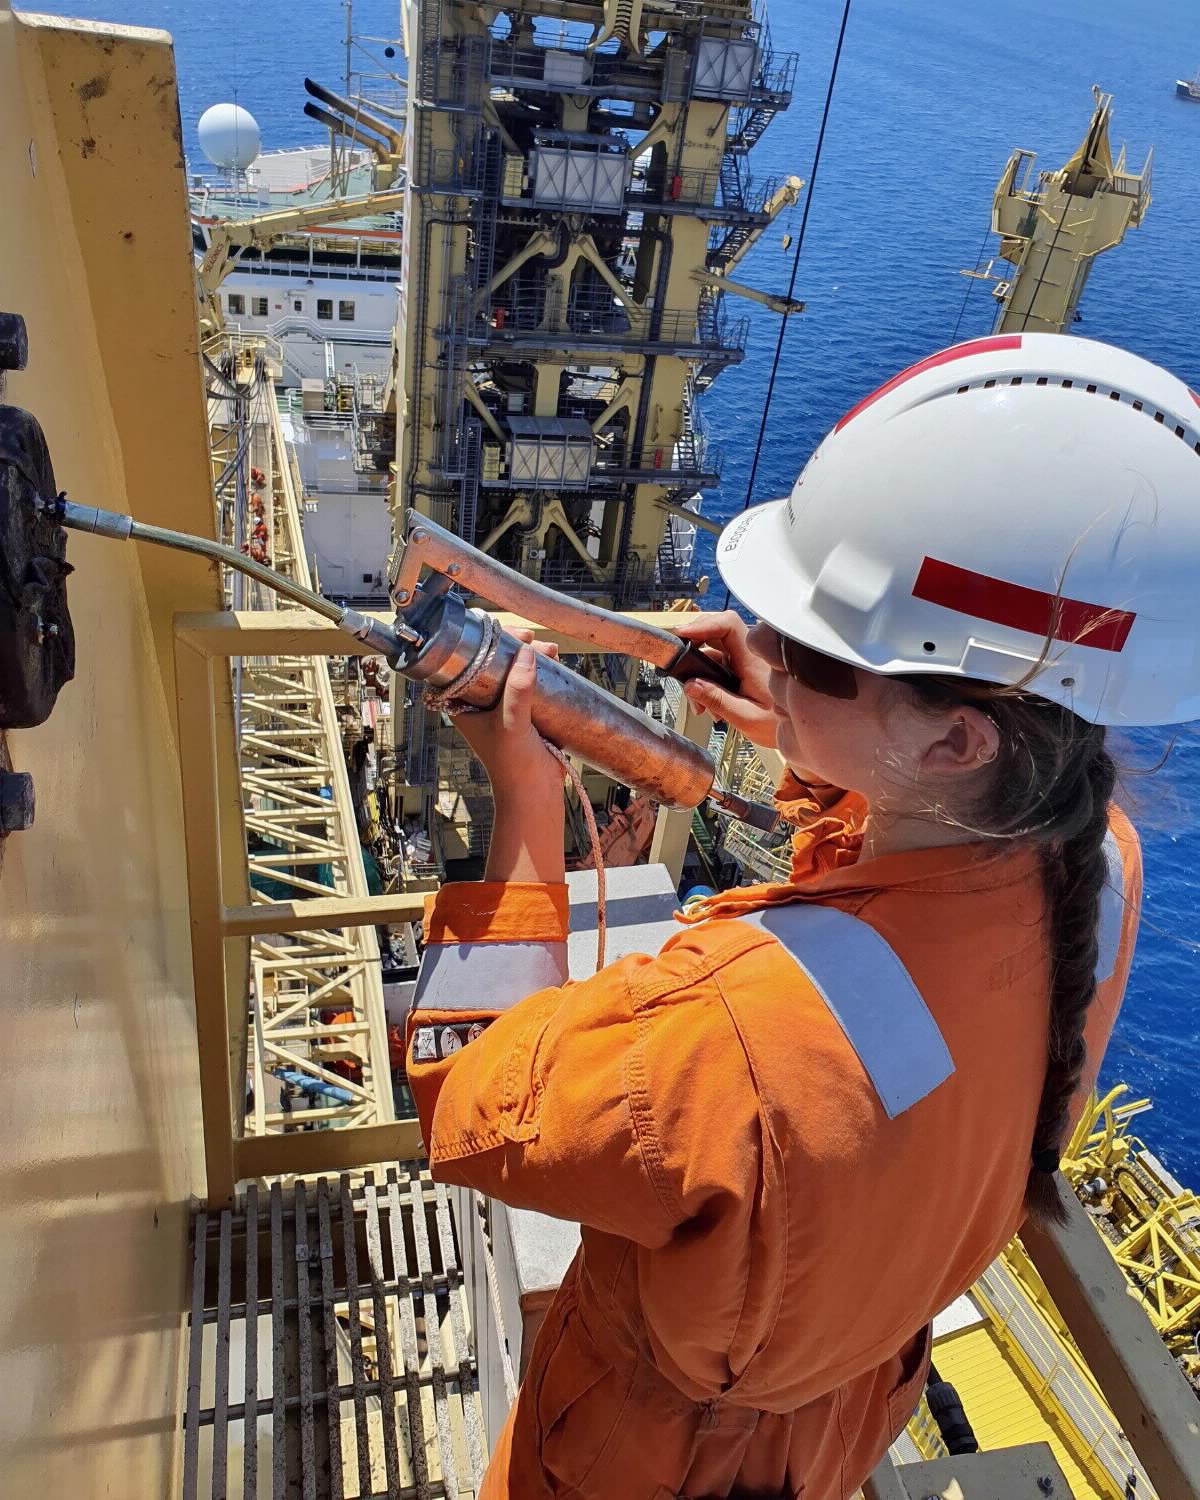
x=597, y=852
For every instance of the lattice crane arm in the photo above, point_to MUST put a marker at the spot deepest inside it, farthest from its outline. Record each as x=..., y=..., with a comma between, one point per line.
x=786, y=195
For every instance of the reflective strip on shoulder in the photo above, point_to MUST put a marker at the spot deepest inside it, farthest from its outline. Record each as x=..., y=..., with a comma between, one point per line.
x=486, y=976
x=870, y=994
x=1112, y=911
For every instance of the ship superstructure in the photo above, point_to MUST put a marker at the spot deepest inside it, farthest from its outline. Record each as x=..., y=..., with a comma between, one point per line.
x=305, y=245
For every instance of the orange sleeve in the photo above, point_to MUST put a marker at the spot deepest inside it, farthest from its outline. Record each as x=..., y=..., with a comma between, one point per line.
x=582, y=1101
x=494, y=911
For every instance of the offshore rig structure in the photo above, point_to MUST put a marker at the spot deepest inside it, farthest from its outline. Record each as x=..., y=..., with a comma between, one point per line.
x=220, y=1290
x=578, y=199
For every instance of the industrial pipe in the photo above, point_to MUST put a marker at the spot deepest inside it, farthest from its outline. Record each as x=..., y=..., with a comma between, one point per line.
x=356, y=113
x=387, y=640
x=314, y=112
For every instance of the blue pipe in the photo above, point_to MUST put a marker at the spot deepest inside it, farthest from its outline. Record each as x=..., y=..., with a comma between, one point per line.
x=317, y=1086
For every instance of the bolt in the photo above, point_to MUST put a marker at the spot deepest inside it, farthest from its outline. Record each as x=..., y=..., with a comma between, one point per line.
x=14, y=342
x=401, y=596
x=16, y=801
x=454, y=570
x=419, y=537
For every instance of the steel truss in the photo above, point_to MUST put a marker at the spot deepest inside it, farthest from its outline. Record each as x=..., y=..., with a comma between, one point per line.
x=318, y=1047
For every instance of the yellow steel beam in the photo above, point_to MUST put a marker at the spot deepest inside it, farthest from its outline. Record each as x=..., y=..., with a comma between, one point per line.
x=776, y=302
x=327, y=911
x=296, y=632
x=312, y=1151
x=1149, y=1395
x=202, y=826
x=705, y=523
x=673, y=826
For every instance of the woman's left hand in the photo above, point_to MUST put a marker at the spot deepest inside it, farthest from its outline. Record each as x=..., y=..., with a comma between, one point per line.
x=505, y=739
x=527, y=782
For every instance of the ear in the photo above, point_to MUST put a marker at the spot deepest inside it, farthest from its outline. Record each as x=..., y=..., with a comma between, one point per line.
x=970, y=741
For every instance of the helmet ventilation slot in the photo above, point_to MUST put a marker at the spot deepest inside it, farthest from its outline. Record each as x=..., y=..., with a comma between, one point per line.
x=1190, y=435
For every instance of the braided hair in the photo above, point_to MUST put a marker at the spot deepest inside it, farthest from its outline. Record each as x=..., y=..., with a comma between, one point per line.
x=1052, y=781
x=1074, y=870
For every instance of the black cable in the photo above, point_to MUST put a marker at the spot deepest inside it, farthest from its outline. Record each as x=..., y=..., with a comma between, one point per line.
x=987, y=233
x=783, y=320
x=946, y=1409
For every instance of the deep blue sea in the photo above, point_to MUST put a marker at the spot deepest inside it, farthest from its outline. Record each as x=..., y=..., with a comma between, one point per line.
x=932, y=96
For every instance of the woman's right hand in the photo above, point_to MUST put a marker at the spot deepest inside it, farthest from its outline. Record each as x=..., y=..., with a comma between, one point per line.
x=751, y=709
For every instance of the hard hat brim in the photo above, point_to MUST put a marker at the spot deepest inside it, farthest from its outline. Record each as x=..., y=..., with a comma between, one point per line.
x=756, y=561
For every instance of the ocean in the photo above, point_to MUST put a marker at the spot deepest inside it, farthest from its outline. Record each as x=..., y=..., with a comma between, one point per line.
x=932, y=96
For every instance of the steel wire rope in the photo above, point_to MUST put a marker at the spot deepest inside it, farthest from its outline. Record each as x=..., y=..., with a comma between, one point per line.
x=987, y=234
x=783, y=318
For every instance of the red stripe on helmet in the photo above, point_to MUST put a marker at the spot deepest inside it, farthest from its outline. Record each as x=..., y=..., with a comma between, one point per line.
x=1003, y=603
x=947, y=356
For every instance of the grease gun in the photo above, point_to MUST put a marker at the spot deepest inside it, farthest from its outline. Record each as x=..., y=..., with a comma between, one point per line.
x=462, y=655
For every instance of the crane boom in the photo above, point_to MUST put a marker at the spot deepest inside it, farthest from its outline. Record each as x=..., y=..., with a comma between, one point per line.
x=230, y=236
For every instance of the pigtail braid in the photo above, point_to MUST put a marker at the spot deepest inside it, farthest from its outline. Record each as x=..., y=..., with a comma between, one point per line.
x=1074, y=870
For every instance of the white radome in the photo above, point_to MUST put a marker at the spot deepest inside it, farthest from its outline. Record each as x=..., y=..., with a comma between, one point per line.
x=229, y=136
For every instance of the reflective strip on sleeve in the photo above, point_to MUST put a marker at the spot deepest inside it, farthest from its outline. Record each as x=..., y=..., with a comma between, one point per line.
x=870, y=994
x=486, y=976
x=1112, y=911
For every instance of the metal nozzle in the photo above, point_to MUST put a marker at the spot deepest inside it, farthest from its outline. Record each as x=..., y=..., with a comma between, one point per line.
x=396, y=641
x=760, y=815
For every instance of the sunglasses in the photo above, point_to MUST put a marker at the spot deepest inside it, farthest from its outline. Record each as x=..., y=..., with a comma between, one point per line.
x=816, y=671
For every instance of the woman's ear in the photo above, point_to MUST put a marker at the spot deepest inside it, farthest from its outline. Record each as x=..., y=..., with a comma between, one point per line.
x=970, y=741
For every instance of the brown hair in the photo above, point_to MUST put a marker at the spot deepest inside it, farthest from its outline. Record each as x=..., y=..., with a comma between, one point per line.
x=1052, y=782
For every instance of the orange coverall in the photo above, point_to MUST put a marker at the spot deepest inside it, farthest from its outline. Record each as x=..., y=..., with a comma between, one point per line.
x=763, y=1248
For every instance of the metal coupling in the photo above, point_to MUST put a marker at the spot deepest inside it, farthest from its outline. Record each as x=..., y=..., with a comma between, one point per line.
x=92, y=518
x=760, y=815
x=396, y=642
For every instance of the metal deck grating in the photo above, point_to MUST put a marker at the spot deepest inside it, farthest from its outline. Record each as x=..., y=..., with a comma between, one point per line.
x=356, y=1288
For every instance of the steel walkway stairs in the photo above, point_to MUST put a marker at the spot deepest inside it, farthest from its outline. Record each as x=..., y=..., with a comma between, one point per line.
x=334, y=1311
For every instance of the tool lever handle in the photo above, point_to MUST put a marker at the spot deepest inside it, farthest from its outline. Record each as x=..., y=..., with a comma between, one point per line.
x=692, y=663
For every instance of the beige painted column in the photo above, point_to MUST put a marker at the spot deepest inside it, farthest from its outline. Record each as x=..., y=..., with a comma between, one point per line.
x=674, y=825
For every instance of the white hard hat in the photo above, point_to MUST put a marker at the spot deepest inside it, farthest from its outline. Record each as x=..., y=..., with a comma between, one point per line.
x=1000, y=492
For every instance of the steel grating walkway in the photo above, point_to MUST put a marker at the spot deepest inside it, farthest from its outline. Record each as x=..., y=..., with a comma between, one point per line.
x=356, y=1288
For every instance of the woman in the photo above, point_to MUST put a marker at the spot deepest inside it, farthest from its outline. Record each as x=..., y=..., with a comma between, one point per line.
x=815, y=1117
